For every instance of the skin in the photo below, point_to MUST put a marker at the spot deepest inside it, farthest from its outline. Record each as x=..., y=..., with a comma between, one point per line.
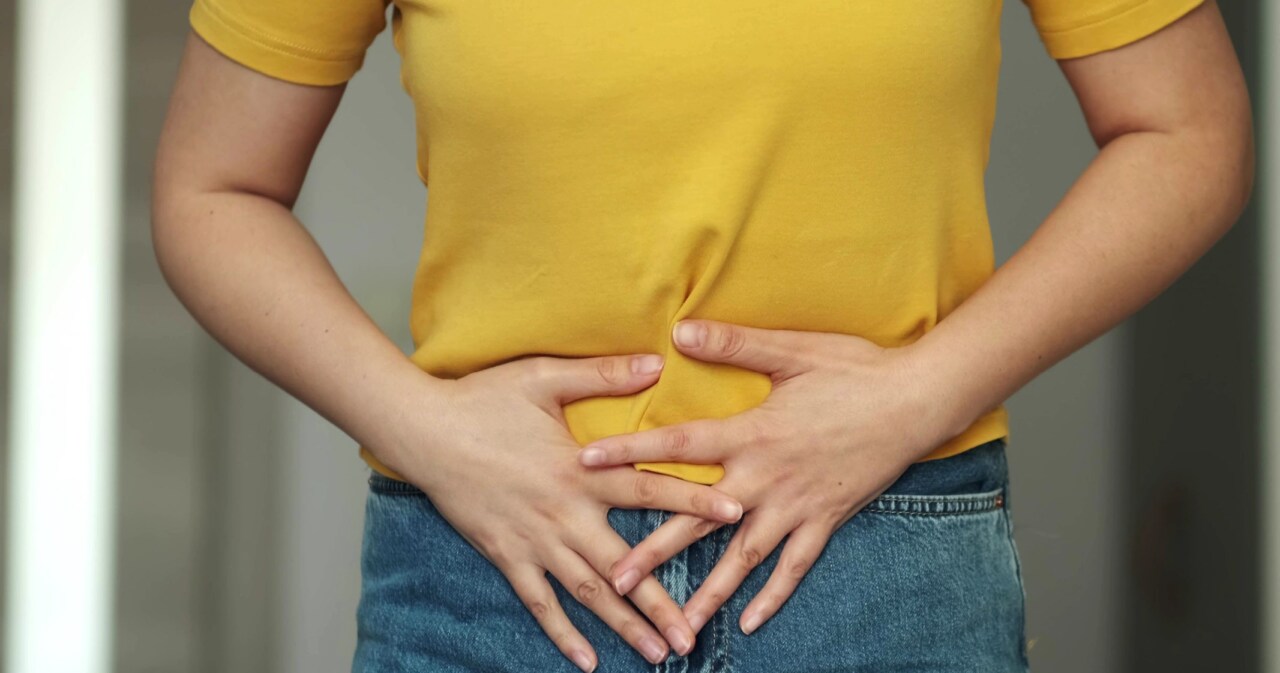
x=1171, y=116
x=491, y=450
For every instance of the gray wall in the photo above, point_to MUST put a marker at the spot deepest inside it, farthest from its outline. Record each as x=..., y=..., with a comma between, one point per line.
x=1191, y=499
x=7, y=17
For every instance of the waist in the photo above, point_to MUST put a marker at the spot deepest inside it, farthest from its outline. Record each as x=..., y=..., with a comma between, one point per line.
x=987, y=429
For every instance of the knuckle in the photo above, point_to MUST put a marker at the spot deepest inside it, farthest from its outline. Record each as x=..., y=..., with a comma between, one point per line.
x=539, y=368
x=700, y=528
x=749, y=556
x=609, y=370
x=588, y=591
x=619, y=453
x=759, y=431
x=650, y=557
x=675, y=443
x=729, y=341
x=715, y=599
x=499, y=554
x=646, y=488
x=570, y=474
x=549, y=510
x=539, y=607
x=563, y=637
x=798, y=567
x=484, y=539
x=699, y=502
x=630, y=629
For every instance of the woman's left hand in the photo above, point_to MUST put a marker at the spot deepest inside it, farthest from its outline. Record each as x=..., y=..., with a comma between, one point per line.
x=844, y=419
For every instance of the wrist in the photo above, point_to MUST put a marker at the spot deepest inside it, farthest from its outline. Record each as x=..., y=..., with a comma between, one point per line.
x=414, y=412
x=940, y=406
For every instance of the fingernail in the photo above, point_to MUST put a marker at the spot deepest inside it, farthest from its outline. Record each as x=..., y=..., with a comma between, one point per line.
x=689, y=335
x=653, y=650
x=583, y=661
x=697, y=620
x=627, y=581
x=751, y=622
x=646, y=364
x=678, y=640
x=592, y=455
x=727, y=509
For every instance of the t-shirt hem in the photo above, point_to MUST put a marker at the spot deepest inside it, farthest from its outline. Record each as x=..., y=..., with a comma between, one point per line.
x=992, y=425
x=269, y=56
x=377, y=466
x=1113, y=30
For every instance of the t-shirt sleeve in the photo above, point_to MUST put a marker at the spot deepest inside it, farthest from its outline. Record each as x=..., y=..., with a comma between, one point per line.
x=1072, y=28
x=304, y=41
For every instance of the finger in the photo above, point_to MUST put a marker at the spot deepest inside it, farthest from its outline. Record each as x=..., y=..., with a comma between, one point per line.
x=591, y=590
x=767, y=351
x=703, y=440
x=664, y=542
x=677, y=533
x=802, y=549
x=635, y=489
x=602, y=550
x=531, y=585
x=756, y=538
x=569, y=379
x=656, y=604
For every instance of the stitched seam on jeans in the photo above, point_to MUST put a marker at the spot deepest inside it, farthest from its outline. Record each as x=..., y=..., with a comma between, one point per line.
x=384, y=485
x=934, y=515
x=726, y=633
x=1017, y=565
x=958, y=497
x=936, y=505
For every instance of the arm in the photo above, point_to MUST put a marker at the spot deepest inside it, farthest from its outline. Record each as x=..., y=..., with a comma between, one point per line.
x=491, y=449
x=846, y=417
x=231, y=159
x=1171, y=116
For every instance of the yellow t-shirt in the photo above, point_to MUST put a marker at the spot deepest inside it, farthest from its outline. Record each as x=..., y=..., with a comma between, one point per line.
x=599, y=169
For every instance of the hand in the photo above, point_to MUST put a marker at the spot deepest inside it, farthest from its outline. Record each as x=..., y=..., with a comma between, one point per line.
x=502, y=470
x=844, y=419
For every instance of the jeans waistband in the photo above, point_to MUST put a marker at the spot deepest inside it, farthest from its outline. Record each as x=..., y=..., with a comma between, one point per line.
x=979, y=471
x=976, y=470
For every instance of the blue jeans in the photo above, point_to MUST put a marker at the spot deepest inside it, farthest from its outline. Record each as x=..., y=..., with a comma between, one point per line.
x=925, y=578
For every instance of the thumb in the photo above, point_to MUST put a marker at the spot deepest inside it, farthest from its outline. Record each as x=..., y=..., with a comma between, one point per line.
x=569, y=379
x=763, y=350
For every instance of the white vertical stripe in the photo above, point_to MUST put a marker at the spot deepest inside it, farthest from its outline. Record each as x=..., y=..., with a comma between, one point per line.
x=1265, y=191
x=67, y=195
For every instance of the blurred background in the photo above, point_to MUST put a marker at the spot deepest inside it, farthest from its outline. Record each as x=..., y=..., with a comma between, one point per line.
x=208, y=522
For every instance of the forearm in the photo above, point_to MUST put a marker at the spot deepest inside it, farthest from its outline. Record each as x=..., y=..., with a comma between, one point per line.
x=1147, y=207
x=258, y=283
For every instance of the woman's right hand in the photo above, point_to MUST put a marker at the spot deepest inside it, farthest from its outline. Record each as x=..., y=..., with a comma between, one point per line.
x=502, y=468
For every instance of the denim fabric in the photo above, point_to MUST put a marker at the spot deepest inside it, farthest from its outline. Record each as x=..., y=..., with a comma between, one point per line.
x=925, y=578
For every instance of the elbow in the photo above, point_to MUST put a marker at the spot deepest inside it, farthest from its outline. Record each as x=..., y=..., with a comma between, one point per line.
x=1235, y=144
x=1247, y=169
x=1223, y=159
x=1238, y=169
x=161, y=227
x=170, y=214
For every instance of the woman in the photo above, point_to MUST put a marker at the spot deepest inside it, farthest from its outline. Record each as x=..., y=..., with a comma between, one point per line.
x=678, y=321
